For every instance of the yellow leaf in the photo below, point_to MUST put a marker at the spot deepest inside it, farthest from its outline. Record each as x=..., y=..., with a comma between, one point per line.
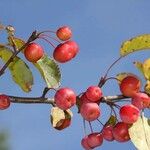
x=146, y=69
x=135, y=44
x=139, y=66
x=147, y=87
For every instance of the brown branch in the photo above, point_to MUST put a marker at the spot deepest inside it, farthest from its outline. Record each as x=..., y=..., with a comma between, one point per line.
x=42, y=100
x=31, y=100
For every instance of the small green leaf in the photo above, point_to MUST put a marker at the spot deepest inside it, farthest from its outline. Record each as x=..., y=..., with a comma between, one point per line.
x=135, y=44
x=49, y=71
x=20, y=72
x=140, y=133
x=111, y=121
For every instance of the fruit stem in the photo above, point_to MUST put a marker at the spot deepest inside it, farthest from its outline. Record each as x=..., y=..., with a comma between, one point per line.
x=84, y=127
x=41, y=37
x=90, y=126
x=103, y=79
x=46, y=89
x=45, y=35
x=100, y=122
x=50, y=31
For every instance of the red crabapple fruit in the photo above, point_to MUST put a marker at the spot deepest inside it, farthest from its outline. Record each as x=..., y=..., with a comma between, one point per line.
x=129, y=113
x=130, y=85
x=107, y=133
x=90, y=111
x=4, y=102
x=33, y=52
x=64, y=33
x=120, y=132
x=65, y=52
x=94, y=93
x=95, y=139
x=65, y=98
x=141, y=100
x=85, y=144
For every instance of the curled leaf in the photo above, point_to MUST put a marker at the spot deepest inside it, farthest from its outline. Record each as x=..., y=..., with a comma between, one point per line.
x=135, y=44
x=60, y=119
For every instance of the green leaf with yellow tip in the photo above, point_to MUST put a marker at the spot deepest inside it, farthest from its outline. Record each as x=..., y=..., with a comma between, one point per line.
x=20, y=72
x=137, y=43
x=49, y=71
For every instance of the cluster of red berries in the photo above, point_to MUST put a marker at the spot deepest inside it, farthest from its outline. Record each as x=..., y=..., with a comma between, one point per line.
x=89, y=109
x=88, y=102
x=64, y=52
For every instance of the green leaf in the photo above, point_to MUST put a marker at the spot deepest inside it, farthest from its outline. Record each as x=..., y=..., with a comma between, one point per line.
x=17, y=41
x=111, y=121
x=20, y=72
x=135, y=44
x=140, y=133
x=49, y=71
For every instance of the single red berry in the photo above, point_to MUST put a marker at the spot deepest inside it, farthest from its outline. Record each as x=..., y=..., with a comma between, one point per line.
x=64, y=33
x=94, y=93
x=129, y=113
x=33, y=52
x=141, y=100
x=130, y=85
x=65, y=98
x=74, y=46
x=90, y=111
x=85, y=144
x=84, y=99
x=65, y=52
x=95, y=139
x=120, y=132
x=107, y=133
x=4, y=102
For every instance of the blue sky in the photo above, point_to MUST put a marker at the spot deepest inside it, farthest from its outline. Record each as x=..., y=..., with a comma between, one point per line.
x=99, y=27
